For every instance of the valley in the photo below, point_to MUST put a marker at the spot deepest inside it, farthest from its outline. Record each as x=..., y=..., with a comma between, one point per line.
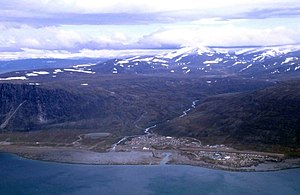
x=217, y=108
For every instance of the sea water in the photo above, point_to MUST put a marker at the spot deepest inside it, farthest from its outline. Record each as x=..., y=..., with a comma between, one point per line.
x=23, y=176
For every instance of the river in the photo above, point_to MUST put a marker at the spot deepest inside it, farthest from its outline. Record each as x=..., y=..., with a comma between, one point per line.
x=147, y=129
x=23, y=176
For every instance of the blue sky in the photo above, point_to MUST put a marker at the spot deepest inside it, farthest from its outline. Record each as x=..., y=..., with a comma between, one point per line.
x=92, y=28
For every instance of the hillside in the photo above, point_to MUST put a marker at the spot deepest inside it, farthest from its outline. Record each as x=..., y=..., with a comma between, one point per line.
x=269, y=116
x=111, y=104
x=26, y=107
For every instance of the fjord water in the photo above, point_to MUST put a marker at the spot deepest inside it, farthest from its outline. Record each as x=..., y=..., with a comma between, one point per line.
x=23, y=176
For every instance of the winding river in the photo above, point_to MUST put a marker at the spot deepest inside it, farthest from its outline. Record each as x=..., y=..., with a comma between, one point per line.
x=147, y=130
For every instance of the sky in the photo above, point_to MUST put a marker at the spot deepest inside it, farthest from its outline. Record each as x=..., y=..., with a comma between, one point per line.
x=114, y=28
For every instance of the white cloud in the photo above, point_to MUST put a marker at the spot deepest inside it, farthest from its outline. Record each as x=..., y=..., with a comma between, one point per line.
x=227, y=35
x=57, y=38
x=77, y=27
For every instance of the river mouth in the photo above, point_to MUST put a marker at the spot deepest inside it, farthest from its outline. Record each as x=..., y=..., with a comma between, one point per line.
x=152, y=149
x=142, y=157
x=166, y=158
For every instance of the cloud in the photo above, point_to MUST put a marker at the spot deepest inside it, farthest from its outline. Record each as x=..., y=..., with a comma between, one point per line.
x=55, y=38
x=263, y=13
x=64, y=27
x=80, y=18
x=228, y=35
x=60, y=39
x=58, y=12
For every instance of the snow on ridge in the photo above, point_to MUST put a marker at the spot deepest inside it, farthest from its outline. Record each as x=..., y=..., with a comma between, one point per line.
x=123, y=62
x=173, y=54
x=36, y=73
x=201, y=50
x=186, y=51
x=137, y=59
x=159, y=60
x=132, y=58
x=57, y=71
x=178, y=59
x=258, y=58
x=272, y=53
x=32, y=75
x=83, y=65
x=13, y=78
x=40, y=72
x=241, y=51
x=290, y=59
x=213, y=61
x=268, y=50
x=80, y=71
x=147, y=59
x=245, y=68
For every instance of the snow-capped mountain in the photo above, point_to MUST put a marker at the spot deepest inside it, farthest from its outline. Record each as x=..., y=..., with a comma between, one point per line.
x=204, y=60
x=249, y=62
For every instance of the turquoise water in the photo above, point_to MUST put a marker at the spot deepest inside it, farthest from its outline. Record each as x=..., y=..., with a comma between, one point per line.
x=22, y=176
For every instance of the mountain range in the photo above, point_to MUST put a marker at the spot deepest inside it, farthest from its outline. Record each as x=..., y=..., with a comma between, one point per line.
x=241, y=96
x=259, y=62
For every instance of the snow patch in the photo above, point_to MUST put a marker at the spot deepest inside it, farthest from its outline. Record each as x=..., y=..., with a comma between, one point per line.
x=80, y=71
x=287, y=60
x=122, y=62
x=276, y=71
x=34, y=84
x=13, y=78
x=83, y=65
x=236, y=63
x=57, y=71
x=189, y=70
x=32, y=75
x=159, y=60
x=115, y=71
x=213, y=61
x=143, y=60
x=245, y=68
x=178, y=59
x=40, y=72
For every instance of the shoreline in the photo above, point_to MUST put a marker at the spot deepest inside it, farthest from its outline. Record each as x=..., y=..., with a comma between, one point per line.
x=168, y=157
